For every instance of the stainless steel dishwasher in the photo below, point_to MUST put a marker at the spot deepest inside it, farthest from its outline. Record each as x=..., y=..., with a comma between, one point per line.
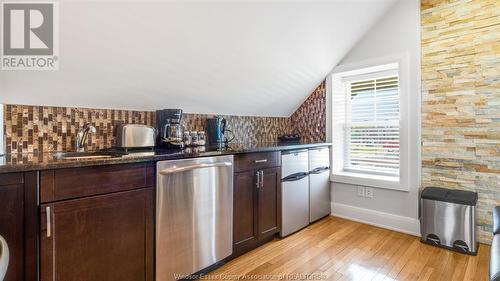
x=194, y=215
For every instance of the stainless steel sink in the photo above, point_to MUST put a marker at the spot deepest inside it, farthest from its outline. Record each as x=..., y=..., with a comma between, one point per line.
x=85, y=155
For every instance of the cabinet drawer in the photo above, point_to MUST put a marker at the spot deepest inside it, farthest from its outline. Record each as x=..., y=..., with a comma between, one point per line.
x=255, y=161
x=9, y=179
x=64, y=184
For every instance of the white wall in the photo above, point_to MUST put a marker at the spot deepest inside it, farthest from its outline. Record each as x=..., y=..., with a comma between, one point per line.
x=398, y=33
x=229, y=57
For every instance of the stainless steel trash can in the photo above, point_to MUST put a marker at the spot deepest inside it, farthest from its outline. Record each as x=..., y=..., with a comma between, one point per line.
x=448, y=219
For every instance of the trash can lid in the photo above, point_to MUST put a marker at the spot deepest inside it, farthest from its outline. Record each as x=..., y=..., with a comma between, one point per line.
x=450, y=195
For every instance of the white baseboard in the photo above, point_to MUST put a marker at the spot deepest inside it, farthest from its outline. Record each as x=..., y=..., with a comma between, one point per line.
x=381, y=219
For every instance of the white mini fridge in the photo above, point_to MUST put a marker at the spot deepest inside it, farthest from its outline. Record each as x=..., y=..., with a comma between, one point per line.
x=319, y=183
x=294, y=191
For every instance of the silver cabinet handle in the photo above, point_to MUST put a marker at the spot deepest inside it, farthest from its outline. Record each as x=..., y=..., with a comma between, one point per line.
x=4, y=257
x=49, y=225
x=261, y=161
x=192, y=167
x=257, y=182
x=262, y=179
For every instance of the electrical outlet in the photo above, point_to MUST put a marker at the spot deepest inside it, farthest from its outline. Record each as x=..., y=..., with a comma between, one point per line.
x=369, y=192
x=361, y=191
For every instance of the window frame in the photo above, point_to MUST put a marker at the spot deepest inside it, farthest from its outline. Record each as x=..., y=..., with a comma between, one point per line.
x=337, y=81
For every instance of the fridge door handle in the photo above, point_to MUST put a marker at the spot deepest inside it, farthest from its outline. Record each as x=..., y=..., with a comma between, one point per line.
x=295, y=177
x=319, y=170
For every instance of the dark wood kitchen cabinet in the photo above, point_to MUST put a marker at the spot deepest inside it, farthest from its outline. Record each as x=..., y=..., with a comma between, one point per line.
x=245, y=210
x=95, y=236
x=257, y=201
x=268, y=202
x=18, y=217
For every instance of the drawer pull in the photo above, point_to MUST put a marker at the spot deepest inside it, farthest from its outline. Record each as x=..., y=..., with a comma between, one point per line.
x=49, y=230
x=261, y=161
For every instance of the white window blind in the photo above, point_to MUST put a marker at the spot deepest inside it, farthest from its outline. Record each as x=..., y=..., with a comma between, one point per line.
x=372, y=126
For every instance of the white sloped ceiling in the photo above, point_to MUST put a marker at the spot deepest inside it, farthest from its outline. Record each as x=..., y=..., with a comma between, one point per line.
x=230, y=57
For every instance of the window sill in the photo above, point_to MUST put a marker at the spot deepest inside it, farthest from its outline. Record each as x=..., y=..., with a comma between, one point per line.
x=386, y=182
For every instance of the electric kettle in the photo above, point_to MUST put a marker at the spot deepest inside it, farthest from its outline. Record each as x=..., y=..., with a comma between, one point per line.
x=216, y=130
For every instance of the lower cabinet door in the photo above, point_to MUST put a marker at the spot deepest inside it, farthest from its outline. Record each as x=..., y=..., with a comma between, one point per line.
x=106, y=238
x=12, y=230
x=269, y=201
x=18, y=226
x=244, y=211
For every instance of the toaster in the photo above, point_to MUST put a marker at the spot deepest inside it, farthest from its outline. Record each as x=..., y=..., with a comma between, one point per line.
x=134, y=136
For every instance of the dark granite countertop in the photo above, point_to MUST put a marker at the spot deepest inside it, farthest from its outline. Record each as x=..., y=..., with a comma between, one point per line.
x=44, y=161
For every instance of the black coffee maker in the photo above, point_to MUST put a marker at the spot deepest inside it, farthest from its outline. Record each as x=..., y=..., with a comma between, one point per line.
x=216, y=130
x=169, y=128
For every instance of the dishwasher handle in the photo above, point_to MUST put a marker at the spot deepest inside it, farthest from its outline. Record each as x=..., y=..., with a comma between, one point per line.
x=192, y=167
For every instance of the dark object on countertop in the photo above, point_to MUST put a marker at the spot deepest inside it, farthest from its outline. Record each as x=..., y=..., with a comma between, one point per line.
x=289, y=139
x=216, y=129
x=448, y=219
x=495, y=247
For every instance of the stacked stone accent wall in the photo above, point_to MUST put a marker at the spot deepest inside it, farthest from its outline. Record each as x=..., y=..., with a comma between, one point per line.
x=461, y=100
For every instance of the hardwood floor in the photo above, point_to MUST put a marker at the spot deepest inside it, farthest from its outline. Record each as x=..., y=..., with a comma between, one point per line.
x=339, y=249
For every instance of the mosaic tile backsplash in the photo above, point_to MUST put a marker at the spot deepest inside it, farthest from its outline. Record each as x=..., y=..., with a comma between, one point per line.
x=245, y=129
x=36, y=129
x=309, y=120
x=461, y=94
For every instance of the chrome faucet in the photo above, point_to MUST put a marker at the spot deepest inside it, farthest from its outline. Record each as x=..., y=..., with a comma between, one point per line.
x=81, y=137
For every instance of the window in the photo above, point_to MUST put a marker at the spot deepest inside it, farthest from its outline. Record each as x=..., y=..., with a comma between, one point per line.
x=370, y=116
x=372, y=126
